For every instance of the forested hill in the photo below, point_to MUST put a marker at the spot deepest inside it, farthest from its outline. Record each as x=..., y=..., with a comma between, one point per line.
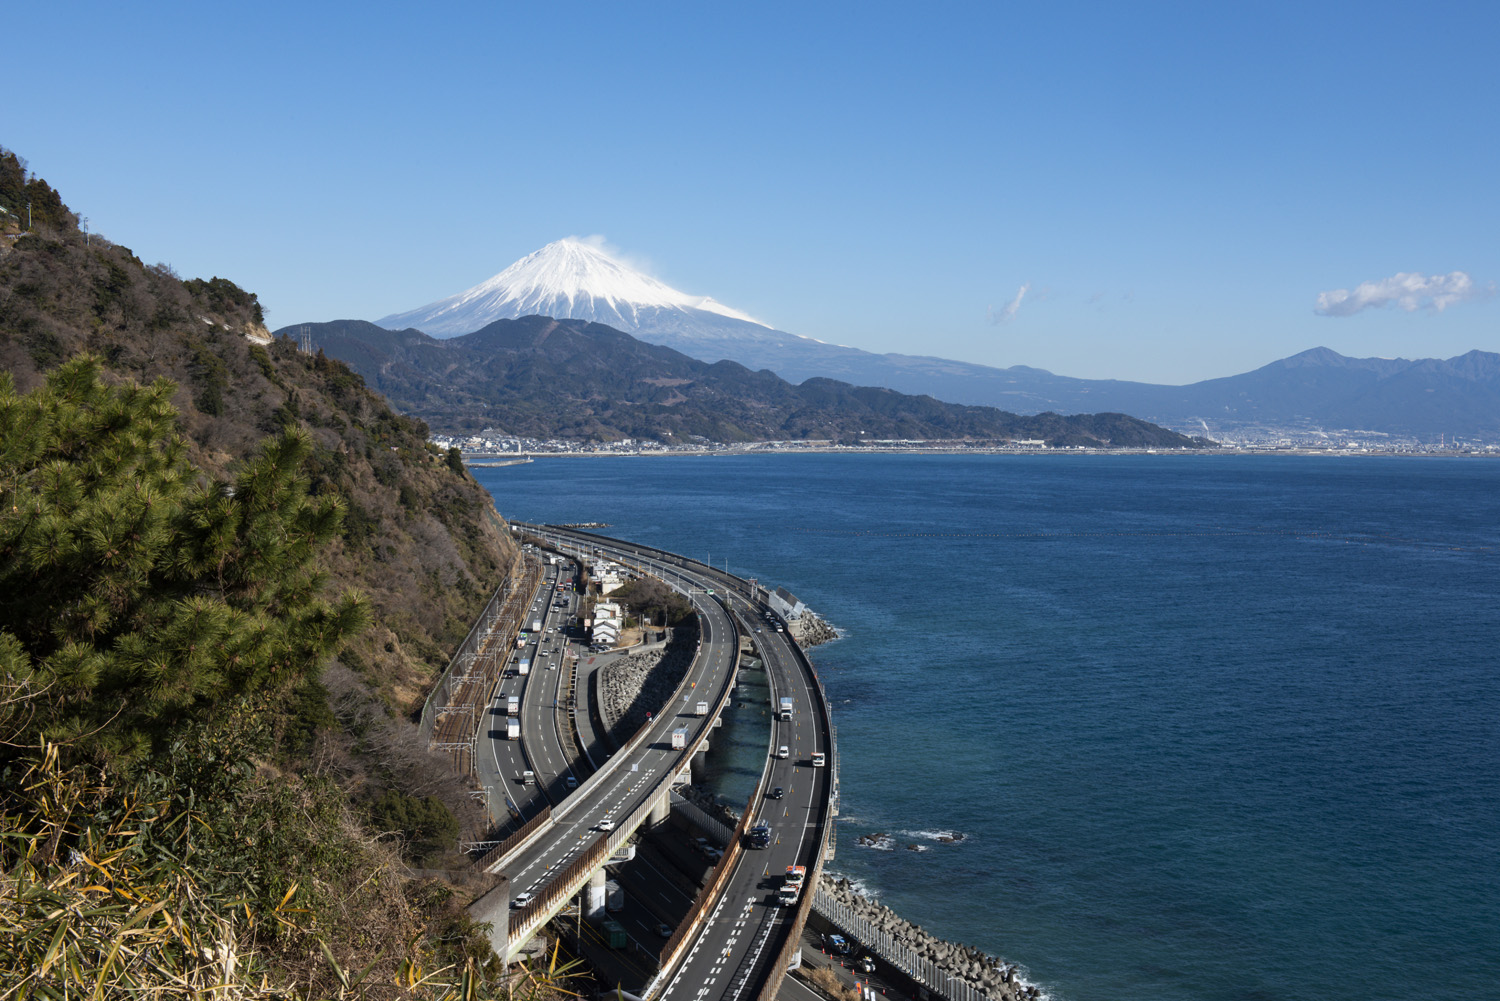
x=228, y=574
x=545, y=378
x=419, y=538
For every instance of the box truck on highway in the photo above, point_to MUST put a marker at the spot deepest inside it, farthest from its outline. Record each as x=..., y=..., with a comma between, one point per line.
x=513, y=729
x=786, y=708
x=792, y=887
x=525, y=667
x=614, y=897
x=614, y=933
x=536, y=625
x=702, y=709
x=679, y=740
x=513, y=706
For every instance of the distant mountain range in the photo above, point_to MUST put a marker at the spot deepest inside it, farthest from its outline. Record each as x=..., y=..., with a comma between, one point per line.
x=544, y=378
x=1317, y=390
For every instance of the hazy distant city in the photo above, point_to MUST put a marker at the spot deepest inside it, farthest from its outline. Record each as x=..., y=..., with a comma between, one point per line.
x=496, y=445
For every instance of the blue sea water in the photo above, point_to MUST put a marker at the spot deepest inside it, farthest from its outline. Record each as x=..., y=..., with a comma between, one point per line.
x=1213, y=727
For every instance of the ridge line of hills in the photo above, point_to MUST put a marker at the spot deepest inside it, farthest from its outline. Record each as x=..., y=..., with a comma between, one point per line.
x=1312, y=393
x=541, y=377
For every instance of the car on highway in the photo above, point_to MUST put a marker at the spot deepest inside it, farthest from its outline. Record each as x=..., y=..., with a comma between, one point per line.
x=664, y=930
x=867, y=964
x=605, y=825
x=783, y=753
x=521, y=900
x=777, y=793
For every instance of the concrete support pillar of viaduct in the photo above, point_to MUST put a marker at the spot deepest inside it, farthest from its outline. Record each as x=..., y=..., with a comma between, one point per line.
x=698, y=762
x=596, y=894
x=660, y=811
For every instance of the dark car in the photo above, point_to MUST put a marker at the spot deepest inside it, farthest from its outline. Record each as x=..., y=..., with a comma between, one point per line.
x=778, y=792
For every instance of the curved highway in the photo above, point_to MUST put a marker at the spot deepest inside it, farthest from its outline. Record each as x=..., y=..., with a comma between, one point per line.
x=622, y=788
x=734, y=951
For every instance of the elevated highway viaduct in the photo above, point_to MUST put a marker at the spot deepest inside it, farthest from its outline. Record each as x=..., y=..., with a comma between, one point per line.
x=738, y=939
x=562, y=849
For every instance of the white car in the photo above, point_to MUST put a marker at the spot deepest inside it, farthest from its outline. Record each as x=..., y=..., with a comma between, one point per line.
x=605, y=825
x=783, y=753
x=521, y=900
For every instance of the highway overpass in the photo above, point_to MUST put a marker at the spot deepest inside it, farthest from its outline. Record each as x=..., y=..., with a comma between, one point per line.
x=737, y=940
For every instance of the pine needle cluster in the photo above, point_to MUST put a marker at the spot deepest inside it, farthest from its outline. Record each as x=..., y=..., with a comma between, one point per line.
x=136, y=591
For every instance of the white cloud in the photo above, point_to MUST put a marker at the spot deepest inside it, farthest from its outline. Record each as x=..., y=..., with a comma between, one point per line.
x=1008, y=312
x=1408, y=290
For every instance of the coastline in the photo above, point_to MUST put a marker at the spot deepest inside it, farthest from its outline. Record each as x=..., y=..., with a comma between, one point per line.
x=1031, y=452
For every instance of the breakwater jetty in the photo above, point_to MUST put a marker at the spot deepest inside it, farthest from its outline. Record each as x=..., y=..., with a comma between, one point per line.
x=929, y=960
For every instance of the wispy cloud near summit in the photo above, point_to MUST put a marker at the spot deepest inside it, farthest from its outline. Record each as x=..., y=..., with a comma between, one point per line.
x=1008, y=312
x=1408, y=290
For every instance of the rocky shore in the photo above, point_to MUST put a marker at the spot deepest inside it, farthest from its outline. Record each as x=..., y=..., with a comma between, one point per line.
x=639, y=683
x=997, y=979
x=809, y=630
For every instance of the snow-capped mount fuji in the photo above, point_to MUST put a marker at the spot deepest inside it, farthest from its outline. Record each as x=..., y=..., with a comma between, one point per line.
x=568, y=279
x=576, y=279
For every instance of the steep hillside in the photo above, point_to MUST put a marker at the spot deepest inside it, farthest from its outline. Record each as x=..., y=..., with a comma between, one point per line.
x=548, y=378
x=420, y=537
x=267, y=796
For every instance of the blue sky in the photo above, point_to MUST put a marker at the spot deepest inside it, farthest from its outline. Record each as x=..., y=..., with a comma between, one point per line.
x=1174, y=185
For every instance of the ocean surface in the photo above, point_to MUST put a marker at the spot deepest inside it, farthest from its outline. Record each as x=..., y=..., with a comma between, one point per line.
x=1211, y=727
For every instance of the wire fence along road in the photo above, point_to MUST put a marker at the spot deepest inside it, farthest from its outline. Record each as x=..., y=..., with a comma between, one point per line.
x=893, y=951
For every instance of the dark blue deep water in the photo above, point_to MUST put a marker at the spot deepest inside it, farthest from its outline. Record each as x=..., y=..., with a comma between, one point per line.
x=1213, y=727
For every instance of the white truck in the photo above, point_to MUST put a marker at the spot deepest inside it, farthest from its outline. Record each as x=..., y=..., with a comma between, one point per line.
x=792, y=888
x=702, y=709
x=513, y=706
x=786, y=708
x=513, y=729
x=679, y=739
x=536, y=625
x=525, y=666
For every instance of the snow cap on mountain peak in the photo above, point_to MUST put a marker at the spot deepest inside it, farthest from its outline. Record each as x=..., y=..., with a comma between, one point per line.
x=571, y=278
